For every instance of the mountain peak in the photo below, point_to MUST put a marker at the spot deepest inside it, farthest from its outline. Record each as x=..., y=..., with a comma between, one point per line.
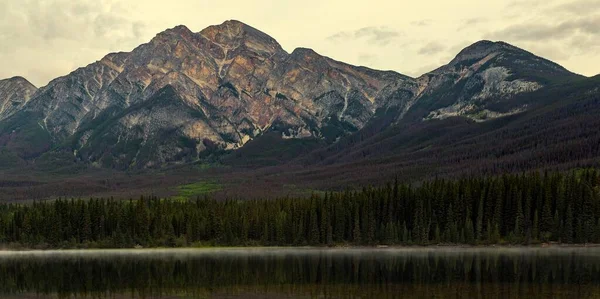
x=18, y=80
x=181, y=28
x=480, y=50
x=177, y=31
x=15, y=92
x=305, y=53
x=233, y=33
x=483, y=51
x=233, y=24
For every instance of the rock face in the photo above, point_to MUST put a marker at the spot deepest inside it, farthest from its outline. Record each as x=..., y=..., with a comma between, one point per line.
x=483, y=74
x=14, y=94
x=185, y=94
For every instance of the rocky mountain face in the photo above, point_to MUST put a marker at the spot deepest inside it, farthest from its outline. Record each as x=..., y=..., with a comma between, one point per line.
x=483, y=76
x=230, y=82
x=185, y=94
x=14, y=94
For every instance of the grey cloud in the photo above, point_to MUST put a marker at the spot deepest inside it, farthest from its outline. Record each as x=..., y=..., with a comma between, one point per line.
x=138, y=29
x=431, y=48
x=378, y=35
x=69, y=33
x=422, y=23
x=518, y=9
x=580, y=7
x=541, y=32
x=521, y=4
x=366, y=59
x=549, y=51
x=556, y=41
x=585, y=44
x=474, y=21
x=82, y=20
x=471, y=22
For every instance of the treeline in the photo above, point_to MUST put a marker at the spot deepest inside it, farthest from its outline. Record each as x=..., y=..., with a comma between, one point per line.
x=517, y=209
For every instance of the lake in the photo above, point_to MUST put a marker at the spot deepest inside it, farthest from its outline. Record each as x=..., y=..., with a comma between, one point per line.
x=429, y=272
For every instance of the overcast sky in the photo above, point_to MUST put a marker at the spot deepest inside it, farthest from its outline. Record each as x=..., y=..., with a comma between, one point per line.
x=44, y=39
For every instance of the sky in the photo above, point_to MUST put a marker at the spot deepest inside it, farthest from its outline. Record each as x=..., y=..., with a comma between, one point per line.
x=44, y=39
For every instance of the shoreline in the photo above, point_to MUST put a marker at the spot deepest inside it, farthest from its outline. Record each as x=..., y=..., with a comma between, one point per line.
x=376, y=248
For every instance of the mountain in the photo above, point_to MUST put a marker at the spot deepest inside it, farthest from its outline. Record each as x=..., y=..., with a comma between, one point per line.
x=14, y=94
x=230, y=93
x=482, y=79
x=231, y=81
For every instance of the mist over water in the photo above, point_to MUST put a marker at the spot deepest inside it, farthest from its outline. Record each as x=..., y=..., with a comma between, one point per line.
x=303, y=273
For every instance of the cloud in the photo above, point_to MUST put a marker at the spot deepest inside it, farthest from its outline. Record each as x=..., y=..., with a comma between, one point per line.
x=422, y=23
x=524, y=9
x=585, y=44
x=366, y=59
x=468, y=23
x=549, y=51
x=581, y=7
x=474, y=21
x=431, y=48
x=527, y=4
x=556, y=40
x=377, y=35
x=73, y=31
x=547, y=31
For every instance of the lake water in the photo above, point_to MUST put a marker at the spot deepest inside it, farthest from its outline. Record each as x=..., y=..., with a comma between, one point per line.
x=304, y=273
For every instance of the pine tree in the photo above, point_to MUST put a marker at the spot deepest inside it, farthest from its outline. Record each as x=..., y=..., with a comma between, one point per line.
x=535, y=226
x=356, y=231
x=567, y=235
x=405, y=234
x=469, y=235
x=479, y=220
x=519, y=221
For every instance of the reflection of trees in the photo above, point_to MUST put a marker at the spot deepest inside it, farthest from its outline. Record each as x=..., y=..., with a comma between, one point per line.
x=317, y=271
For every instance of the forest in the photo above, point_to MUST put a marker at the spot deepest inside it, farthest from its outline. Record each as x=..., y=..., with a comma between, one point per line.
x=525, y=208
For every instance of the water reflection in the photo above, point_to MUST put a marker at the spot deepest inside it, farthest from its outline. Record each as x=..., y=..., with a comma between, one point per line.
x=304, y=273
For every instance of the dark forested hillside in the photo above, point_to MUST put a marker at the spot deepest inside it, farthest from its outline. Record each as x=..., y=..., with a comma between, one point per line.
x=516, y=209
x=559, y=132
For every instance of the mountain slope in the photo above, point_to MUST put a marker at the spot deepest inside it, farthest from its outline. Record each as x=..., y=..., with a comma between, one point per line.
x=152, y=132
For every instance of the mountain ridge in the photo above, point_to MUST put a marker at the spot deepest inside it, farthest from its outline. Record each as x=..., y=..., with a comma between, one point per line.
x=237, y=83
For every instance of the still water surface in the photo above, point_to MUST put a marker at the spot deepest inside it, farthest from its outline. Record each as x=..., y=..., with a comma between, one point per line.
x=304, y=273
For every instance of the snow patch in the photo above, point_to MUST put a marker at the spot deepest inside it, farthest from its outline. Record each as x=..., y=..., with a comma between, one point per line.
x=496, y=84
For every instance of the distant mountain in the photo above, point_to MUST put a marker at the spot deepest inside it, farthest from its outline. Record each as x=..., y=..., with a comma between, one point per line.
x=482, y=79
x=185, y=96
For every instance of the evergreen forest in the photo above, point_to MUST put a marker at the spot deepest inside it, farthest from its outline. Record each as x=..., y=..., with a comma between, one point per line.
x=510, y=209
